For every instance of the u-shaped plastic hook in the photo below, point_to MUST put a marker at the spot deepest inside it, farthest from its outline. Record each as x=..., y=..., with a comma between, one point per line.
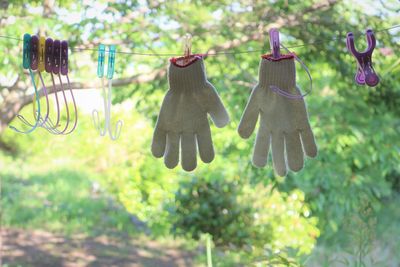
x=106, y=96
x=365, y=71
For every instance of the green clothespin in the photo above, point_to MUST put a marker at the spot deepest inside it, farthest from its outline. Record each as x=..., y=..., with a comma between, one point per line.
x=111, y=62
x=101, y=60
x=26, y=61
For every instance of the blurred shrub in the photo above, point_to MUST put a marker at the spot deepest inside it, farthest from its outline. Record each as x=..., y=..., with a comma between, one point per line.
x=238, y=215
x=214, y=207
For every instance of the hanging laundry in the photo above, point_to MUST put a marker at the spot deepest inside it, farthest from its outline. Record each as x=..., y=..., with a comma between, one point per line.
x=283, y=116
x=183, y=115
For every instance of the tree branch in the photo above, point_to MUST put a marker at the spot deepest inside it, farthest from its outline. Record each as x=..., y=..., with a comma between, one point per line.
x=135, y=79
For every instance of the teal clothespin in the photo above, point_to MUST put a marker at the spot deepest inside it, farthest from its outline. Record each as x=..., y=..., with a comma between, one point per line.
x=100, y=60
x=111, y=62
x=26, y=59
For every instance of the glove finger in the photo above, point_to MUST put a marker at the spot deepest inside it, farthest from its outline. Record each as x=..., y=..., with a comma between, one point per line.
x=171, y=158
x=158, y=143
x=188, y=151
x=278, y=155
x=261, y=149
x=309, y=145
x=294, y=151
x=250, y=116
x=204, y=141
x=217, y=111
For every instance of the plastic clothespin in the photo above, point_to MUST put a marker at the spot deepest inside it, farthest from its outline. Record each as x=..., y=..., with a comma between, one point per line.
x=48, y=55
x=274, y=43
x=187, y=47
x=34, y=55
x=111, y=62
x=100, y=60
x=42, y=45
x=55, y=66
x=64, y=58
x=26, y=51
x=365, y=71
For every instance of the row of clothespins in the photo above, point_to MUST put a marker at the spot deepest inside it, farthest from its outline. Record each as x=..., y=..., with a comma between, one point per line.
x=51, y=56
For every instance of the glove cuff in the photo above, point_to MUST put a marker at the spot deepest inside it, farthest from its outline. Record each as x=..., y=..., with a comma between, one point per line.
x=189, y=76
x=280, y=73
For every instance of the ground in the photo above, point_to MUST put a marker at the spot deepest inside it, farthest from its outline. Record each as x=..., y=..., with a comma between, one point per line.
x=31, y=248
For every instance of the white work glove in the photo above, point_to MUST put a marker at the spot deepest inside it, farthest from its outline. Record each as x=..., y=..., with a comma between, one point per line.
x=183, y=116
x=283, y=121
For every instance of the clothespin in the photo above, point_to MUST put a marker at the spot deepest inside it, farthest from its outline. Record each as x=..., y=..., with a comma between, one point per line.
x=100, y=60
x=274, y=43
x=187, y=48
x=107, y=96
x=42, y=45
x=365, y=71
x=26, y=58
x=64, y=58
x=26, y=64
x=34, y=55
x=48, y=55
x=111, y=62
x=55, y=66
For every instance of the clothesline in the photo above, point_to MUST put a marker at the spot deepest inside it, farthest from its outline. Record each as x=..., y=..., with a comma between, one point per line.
x=77, y=49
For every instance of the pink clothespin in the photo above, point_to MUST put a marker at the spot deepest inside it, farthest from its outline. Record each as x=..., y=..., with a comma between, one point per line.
x=365, y=71
x=274, y=43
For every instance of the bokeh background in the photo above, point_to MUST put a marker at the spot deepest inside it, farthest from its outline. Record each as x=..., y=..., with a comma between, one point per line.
x=84, y=200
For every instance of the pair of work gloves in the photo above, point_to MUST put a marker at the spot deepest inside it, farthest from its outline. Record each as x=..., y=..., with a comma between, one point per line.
x=183, y=118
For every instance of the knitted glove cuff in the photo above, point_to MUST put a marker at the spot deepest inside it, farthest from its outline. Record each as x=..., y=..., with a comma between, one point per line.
x=188, y=77
x=281, y=73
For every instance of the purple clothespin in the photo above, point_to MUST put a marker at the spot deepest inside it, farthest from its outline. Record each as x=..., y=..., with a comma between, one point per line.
x=48, y=55
x=56, y=57
x=365, y=72
x=64, y=57
x=274, y=43
x=34, y=52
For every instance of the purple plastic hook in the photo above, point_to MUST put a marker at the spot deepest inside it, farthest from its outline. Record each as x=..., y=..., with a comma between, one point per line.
x=365, y=71
x=274, y=43
x=64, y=57
x=48, y=55
x=34, y=52
x=56, y=56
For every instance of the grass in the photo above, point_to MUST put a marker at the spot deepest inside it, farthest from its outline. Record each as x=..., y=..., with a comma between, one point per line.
x=61, y=201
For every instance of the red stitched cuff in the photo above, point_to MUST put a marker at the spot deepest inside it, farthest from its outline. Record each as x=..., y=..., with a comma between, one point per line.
x=179, y=61
x=282, y=57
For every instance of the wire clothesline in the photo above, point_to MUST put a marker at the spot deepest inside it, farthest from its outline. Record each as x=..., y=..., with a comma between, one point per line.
x=77, y=49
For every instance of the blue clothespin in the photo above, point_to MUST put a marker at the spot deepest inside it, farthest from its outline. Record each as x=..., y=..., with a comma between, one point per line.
x=100, y=60
x=26, y=59
x=111, y=62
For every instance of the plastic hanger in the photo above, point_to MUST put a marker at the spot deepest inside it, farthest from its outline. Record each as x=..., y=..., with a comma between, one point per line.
x=26, y=64
x=106, y=96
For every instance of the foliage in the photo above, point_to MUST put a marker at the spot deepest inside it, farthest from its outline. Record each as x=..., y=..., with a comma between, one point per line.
x=213, y=207
x=62, y=201
x=123, y=170
x=357, y=128
x=235, y=216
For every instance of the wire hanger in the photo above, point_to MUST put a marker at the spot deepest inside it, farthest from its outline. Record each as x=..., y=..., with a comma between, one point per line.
x=106, y=96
